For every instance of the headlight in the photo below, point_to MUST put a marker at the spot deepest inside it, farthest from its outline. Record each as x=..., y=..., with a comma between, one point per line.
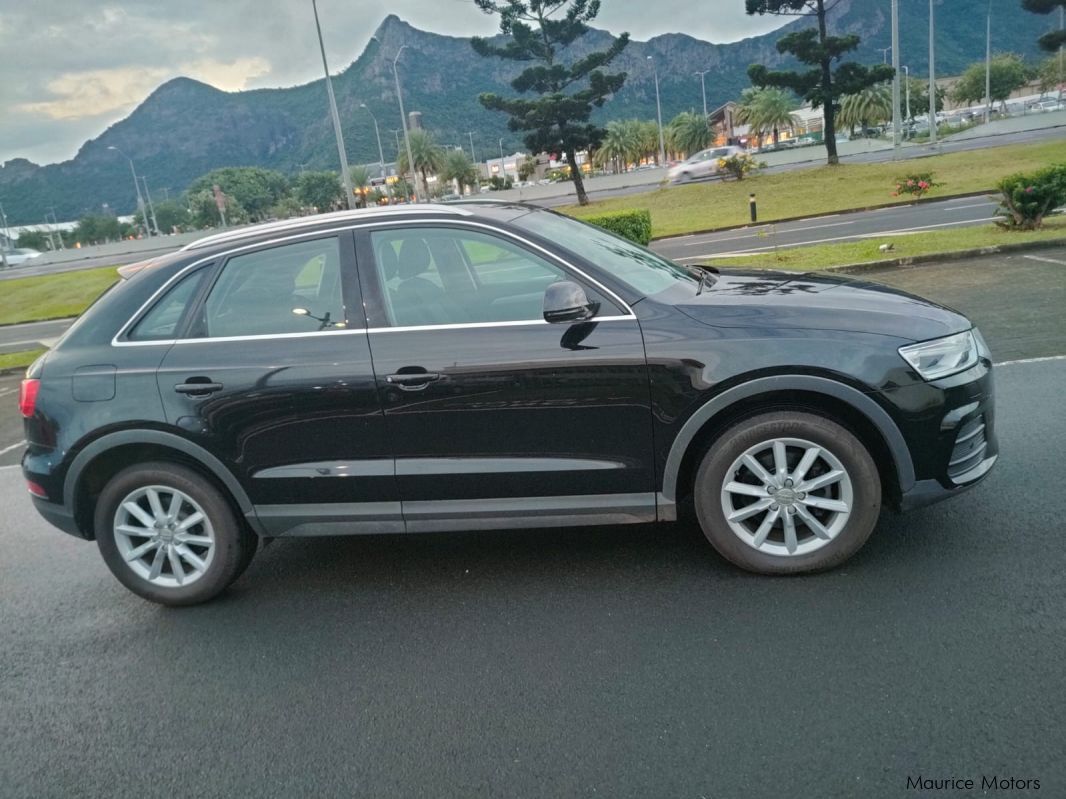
x=943, y=356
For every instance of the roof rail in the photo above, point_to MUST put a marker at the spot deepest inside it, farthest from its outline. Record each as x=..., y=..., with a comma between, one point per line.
x=318, y=219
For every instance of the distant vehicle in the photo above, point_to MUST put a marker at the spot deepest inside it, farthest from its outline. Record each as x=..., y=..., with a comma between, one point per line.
x=1047, y=105
x=701, y=165
x=21, y=255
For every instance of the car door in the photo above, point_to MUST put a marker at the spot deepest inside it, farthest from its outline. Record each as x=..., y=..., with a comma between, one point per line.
x=495, y=417
x=273, y=376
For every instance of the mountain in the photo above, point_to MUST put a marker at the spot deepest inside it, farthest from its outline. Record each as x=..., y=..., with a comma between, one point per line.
x=186, y=128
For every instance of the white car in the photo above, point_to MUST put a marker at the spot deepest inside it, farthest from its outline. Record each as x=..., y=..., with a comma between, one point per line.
x=701, y=165
x=21, y=255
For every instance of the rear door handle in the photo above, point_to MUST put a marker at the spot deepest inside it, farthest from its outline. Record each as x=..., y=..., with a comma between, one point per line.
x=195, y=388
x=412, y=381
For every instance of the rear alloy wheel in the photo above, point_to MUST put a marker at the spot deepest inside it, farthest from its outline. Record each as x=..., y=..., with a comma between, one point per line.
x=787, y=492
x=169, y=535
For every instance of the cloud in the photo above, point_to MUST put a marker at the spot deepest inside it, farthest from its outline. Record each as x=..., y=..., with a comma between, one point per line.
x=75, y=95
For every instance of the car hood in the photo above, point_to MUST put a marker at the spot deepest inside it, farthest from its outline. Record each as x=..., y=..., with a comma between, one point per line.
x=759, y=298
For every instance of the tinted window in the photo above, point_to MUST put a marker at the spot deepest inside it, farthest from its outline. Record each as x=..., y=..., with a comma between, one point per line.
x=161, y=322
x=295, y=288
x=435, y=276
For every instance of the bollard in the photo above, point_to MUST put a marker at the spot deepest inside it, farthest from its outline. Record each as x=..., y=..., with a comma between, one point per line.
x=752, y=207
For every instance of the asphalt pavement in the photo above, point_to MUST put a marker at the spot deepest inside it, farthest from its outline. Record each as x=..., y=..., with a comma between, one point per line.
x=622, y=662
x=15, y=338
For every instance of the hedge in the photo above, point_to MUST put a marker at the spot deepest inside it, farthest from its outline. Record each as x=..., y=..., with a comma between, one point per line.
x=1025, y=199
x=633, y=225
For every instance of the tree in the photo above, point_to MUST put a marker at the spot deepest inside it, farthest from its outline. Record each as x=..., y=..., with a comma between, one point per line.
x=1050, y=74
x=767, y=110
x=318, y=190
x=620, y=144
x=689, y=133
x=427, y=156
x=919, y=104
x=170, y=214
x=558, y=118
x=360, y=178
x=1052, y=40
x=1007, y=73
x=647, y=133
x=97, y=229
x=456, y=165
x=821, y=85
x=527, y=168
x=254, y=189
x=204, y=212
x=868, y=107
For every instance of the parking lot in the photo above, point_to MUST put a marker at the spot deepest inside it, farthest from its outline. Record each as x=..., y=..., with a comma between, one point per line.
x=617, y=662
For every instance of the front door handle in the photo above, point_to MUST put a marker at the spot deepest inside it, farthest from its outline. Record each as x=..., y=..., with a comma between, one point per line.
x=412, y=381
x=198, y=388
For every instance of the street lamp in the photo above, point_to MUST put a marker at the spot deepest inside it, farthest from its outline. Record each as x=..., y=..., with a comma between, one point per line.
x=659, y=114
x=884, y=54
x=137, y=186
x=403, y=120
x=703, y=88
x=988, y=65
x=895, y=79
x=377, y=133
x=345, y=177
x=907, y=72
x=932, y=78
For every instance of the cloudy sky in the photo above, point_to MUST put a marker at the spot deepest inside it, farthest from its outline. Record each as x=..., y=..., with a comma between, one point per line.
x=70, y=68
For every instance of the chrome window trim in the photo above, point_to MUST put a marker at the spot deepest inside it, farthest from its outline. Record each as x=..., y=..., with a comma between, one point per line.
x=464, y=223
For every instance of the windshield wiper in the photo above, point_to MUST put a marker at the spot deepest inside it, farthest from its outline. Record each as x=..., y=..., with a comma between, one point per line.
x=708, y=276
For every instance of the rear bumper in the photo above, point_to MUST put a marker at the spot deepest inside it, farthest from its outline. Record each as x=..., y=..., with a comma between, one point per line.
x=58, y=516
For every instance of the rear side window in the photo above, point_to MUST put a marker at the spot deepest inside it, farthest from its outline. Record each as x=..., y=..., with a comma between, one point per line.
x=162, y=320
x=294, y=288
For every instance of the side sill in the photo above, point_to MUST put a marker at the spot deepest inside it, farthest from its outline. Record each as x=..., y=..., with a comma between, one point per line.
x=529, y=512
x=345, y=518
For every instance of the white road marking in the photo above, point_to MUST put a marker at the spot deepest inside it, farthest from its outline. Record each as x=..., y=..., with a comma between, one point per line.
x=1033, y=360
x=12, y=466
x=1045, y=260
x=5, y=391
x=30, y=342
x=6, y=450
x=766, y=232
x=971, y=205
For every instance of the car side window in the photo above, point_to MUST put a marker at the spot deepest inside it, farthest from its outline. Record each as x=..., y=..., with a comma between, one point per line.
x=294, y=288
x=161, y=321
x=437, y=276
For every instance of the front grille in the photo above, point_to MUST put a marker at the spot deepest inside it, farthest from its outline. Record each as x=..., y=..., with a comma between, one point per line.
x=970, y=446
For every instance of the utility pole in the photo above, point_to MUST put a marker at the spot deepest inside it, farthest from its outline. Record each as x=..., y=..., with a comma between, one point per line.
x=151, y=205
x=884, y=54
x=988, y=64
x=7, y=239
x=932, y=79
x=137, y=186
x=895, y=80
x=907, y=72
x=703, y=89
x=659, y=114
x=403, y=119
x=346, y=179
x=473, y=157
x=377, y=133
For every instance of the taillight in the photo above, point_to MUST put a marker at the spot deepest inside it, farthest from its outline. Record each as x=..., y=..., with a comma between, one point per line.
x=28, y=396
x=36, y=489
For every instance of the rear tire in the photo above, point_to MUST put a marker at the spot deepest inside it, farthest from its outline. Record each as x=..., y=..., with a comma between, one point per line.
x=787, y=492
x=169, y=535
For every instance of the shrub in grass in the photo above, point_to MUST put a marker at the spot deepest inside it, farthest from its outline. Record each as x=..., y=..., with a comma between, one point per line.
x=633, y=225
x=916, y=184
x=739, y=166
x=1025, y=199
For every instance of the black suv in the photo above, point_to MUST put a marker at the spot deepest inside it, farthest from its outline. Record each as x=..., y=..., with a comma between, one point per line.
x=488, y=366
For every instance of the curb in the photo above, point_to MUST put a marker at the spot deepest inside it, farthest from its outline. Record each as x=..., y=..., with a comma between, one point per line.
x=843, y=212
x=952, y=255
x=37, y=321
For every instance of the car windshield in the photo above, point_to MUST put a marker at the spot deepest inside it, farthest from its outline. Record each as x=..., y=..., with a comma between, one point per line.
x=636, y=266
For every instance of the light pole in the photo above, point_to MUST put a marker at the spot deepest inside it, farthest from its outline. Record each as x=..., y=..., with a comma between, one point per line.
x=907, y=72
x=988, y=64
x=659, y=114
x=345, y=177
x=895, y=79
x=377, y=133
x=7, y=238
x=932, y=78
x=151, y=205
x=884, y=54
x=403, y=120
x=473, y=157
x=703, y=89
x=137, y=186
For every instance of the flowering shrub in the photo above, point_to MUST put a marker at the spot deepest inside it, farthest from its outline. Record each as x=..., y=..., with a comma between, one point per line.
x=915, y=185
x=1025, y=199
x=739, y=165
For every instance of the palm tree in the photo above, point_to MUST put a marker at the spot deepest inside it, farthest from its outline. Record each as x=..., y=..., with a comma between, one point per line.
x=689, y=133
x=426, y=154
x=360, y=177
x=647, y=135
x=868, y=107
x=767, y=110
x=456, y=165
x=620, y=144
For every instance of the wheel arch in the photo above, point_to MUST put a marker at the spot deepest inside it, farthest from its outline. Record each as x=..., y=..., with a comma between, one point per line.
x=821, y=395
x=105, y=456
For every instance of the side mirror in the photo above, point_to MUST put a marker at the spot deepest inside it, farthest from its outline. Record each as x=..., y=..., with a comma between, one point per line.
x=566, y=301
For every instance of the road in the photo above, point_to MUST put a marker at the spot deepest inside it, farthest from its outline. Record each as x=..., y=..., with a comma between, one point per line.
x=15, y=338
x=880, y=223
x=624, y=662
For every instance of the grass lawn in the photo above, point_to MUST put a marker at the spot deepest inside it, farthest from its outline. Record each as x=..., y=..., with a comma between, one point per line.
x=29, y=299
x=821, y=190
x=19, y=360
x=822, y=256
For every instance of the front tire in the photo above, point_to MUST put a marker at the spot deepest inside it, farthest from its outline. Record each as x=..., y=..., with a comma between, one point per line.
x=169, y=535
x=787, y=492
